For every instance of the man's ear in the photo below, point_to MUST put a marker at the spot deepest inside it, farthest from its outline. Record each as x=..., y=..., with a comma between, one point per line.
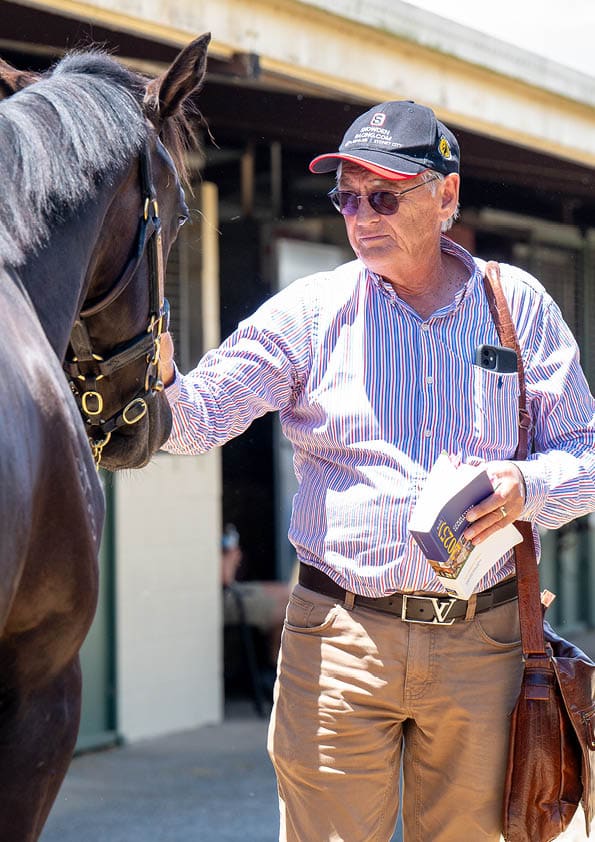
x=449, y=193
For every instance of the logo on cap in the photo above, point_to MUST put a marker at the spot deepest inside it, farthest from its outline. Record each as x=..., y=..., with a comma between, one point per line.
x=378, y=119
x=444, y=148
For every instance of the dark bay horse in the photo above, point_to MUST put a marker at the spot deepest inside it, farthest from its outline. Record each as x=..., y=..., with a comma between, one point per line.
x=91, y=204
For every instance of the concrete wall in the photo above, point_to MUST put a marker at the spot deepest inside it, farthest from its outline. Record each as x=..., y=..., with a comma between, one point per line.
x=168, y=596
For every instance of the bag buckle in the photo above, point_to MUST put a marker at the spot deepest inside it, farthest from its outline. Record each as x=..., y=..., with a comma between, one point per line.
x=441, y=605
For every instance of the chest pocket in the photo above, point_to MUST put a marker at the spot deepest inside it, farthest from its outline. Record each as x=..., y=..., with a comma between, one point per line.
x=496, y=410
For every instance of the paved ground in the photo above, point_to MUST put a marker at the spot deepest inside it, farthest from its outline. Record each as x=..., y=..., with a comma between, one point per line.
x=214, y=784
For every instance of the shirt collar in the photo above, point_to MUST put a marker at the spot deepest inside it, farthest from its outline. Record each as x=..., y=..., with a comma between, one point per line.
x=447, y=246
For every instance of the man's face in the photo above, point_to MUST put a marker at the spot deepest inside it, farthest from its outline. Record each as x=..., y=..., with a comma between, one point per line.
x=389, y=245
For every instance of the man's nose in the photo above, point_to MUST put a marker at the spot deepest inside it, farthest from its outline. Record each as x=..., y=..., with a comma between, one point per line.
x=365, y=210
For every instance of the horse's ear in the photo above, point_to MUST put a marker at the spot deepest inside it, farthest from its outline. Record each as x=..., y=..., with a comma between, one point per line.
x=13, y=80
x=167, y=93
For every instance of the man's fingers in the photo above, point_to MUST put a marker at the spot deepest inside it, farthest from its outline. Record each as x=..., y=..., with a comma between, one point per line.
x=166, y=358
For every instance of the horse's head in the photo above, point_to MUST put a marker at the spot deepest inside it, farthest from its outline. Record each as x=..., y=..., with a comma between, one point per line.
x=141, y=225
x=113, y=357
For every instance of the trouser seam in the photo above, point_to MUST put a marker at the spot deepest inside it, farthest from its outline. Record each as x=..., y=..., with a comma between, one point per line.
x=382, y=812
x=418, y=791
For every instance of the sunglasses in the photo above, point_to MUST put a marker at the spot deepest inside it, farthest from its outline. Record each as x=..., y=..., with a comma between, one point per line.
x=384, y=202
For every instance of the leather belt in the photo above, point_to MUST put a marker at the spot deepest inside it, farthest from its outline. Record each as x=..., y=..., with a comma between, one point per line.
x=410, y=607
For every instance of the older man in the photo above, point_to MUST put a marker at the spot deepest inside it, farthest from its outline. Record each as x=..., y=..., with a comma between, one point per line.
x=372, y=370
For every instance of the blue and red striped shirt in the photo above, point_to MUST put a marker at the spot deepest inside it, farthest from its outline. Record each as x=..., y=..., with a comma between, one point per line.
x=369, y=394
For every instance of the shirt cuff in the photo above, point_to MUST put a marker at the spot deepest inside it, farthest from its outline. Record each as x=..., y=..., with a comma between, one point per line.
x=536, y=489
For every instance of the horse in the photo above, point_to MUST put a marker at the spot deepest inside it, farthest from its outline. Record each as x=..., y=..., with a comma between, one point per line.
x=91, y=204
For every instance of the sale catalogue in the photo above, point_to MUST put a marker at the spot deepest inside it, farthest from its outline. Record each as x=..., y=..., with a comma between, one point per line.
x=439, y=519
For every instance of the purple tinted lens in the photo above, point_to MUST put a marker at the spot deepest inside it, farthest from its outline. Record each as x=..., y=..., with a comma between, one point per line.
x=381, y=201
x=384, y=202
x=345, y=202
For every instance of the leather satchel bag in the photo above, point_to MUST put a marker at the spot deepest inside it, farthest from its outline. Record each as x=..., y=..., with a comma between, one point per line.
x=551, y=759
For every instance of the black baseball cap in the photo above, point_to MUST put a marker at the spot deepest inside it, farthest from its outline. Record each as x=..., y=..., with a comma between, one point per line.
x=395, y=140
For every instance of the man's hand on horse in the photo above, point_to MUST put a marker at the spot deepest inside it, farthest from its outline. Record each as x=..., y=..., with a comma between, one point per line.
x=166, y=358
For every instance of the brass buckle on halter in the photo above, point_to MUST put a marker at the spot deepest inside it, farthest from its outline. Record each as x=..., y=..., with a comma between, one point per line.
x=137, y=403
x=92, y=396
x=156, y=322
x=156, y=325
x=152, y=372
x=150, y=202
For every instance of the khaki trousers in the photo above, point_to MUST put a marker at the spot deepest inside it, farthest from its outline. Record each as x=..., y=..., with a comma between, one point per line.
x=355, y=688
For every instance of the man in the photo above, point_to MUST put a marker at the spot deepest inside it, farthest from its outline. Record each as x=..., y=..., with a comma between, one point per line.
x=372, y=369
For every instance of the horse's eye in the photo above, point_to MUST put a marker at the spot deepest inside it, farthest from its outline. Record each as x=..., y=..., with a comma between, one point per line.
x=183, y=213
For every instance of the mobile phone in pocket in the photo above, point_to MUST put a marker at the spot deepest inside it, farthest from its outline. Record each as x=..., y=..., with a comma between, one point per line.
x=496, y=358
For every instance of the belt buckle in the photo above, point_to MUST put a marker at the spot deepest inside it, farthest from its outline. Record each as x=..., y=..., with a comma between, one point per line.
x=441, y=606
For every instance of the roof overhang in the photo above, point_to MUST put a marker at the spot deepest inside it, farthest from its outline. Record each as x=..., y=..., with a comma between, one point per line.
x=371, y=52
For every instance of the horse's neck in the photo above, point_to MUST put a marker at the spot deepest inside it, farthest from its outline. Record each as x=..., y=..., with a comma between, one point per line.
x=55, y=277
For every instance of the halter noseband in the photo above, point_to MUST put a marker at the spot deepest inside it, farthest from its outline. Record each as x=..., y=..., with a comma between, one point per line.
x=86, y=368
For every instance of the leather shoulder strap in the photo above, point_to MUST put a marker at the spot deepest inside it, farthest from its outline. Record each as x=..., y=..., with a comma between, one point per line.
x=508, y=338
x=530, y=613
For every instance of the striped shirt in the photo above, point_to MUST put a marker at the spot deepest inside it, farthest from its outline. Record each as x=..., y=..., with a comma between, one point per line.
x=369, y=394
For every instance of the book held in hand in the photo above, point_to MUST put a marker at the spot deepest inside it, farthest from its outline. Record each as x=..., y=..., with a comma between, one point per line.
x=439, y=519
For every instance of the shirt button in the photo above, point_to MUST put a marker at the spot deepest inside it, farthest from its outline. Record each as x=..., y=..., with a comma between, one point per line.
x=427, y=433
x=425, y=326
x=429, y=379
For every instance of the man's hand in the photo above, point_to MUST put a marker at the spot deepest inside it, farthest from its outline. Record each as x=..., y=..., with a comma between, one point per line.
x=502, y=507
x=166, y=358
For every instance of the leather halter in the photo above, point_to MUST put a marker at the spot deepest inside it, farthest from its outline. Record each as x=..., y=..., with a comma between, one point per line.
x=85, y=369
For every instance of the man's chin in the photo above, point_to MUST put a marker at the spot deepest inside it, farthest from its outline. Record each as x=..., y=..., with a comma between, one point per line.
x=377, y=252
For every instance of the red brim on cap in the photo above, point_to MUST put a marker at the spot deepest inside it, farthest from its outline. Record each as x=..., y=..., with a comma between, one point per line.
x=328, y=166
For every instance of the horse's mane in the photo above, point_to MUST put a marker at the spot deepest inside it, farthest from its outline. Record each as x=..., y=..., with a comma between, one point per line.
x=76, y=128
